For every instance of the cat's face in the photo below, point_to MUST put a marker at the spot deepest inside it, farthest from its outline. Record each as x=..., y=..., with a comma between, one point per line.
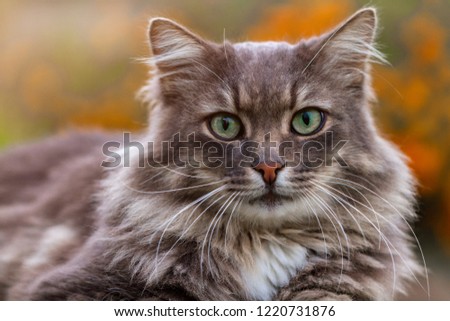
x=276, y=121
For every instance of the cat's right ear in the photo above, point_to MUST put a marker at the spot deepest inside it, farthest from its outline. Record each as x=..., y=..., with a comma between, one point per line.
x=173, y=46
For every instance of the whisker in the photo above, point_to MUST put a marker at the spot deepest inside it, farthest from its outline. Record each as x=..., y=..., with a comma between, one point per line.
x=320, y=226
x=387, y=242
x=192, y=224
x=185, y=175
x=393, y=225
x=201, y=199
x=172, y=190
x=318, y=201
x=401, y=216
x=216, y=216
x=212, y=72
x=368, y=202
x=325, y=190
x=174, y=171
x=234, y=195
x=238, y=203
x=225, y=48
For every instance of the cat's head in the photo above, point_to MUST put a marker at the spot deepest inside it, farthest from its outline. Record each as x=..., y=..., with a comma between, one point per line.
x=280, y=121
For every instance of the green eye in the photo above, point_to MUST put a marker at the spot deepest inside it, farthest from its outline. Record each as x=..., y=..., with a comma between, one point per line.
x=226, y=126
x=308, y=121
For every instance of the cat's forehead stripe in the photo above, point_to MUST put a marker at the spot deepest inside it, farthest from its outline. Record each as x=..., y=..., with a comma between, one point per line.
x=249, y=95
x=228, y=98
x=244, y=97
x=225, y=102
x=307, y=96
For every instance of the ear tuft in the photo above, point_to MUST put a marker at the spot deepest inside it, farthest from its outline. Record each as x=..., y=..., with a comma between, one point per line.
x=362, y=24
x=172, y=45
x=352, y=43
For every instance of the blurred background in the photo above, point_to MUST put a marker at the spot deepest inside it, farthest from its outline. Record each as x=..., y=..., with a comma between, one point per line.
x=72, y=64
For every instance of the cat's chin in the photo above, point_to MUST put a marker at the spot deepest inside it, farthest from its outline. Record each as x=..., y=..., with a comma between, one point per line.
x=272, y=209
x=270, y=199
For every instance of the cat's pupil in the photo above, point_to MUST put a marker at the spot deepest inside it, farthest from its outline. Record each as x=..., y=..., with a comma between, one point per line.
x=306, y=119
x=225, y=123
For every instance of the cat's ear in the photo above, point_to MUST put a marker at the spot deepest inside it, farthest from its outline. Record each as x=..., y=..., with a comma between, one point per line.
x=351, y=46
x=353, y=40
x=173, y=46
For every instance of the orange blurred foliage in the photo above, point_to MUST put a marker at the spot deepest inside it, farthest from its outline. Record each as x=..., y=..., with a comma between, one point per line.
x=429, y=166
x=297, y=19
x=425, y=39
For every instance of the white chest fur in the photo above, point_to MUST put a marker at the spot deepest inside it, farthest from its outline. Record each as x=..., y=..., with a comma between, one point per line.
x=274, y=264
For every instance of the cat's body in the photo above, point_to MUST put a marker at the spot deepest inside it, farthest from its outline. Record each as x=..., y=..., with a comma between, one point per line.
x=71, y=229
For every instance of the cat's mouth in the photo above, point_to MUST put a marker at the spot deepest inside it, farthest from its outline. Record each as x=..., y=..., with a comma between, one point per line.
x=270, y=199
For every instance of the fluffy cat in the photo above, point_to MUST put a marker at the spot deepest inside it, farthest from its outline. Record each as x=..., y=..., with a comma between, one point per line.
x=277, y=226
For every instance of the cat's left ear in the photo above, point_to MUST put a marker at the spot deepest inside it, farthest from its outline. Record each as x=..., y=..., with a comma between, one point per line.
x=173, y=46
x=349, y=48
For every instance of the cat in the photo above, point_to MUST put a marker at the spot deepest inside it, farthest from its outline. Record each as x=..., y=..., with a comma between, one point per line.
x=298, y=223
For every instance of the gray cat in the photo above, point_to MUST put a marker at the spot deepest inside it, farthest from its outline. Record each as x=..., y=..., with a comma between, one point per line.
x=326, y=217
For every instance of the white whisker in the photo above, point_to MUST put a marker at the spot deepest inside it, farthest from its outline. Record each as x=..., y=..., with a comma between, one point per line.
x=320, y=226
x=173, y=190
x=238, y=203
x=219, y=216
x=216, y=216
x=398, y=212
x=175, y=216
x=387, y=242
x=319, y=201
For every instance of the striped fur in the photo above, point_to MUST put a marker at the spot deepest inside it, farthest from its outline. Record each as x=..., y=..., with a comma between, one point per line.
x=70, y=229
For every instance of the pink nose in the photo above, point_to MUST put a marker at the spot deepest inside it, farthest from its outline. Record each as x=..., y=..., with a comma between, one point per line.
x=268, y=171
